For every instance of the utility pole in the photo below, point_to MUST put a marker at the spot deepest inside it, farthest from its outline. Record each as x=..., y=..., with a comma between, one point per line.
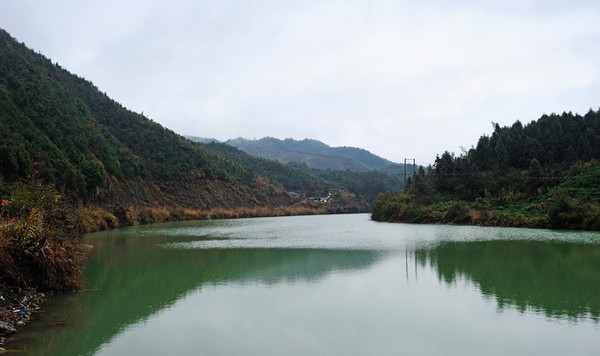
x=404, y=175
x=415, y=178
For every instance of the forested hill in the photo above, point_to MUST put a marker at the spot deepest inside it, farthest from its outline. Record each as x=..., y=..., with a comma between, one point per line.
x=61, y=129
x=314, y=153
x=549, y=146
x=553, y=140
x=543, y=174
x=290, y=177
x=366, y=185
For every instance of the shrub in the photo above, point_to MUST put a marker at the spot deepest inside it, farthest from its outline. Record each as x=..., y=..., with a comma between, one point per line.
x=42, y=256
x=386, y=207
x=458, y=213
x=565, y=212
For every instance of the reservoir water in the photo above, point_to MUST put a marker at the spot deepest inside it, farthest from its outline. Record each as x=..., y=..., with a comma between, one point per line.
x=327, y=285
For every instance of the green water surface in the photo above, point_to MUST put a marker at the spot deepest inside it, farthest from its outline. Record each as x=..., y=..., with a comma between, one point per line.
x=327, y=285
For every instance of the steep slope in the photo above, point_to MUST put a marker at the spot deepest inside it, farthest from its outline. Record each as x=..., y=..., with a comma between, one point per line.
x=60, y=128
x=314, y=153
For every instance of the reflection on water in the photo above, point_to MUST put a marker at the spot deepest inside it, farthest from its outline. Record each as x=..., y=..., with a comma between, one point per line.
x=137, y=284
x=326, y=285
x=559, y=279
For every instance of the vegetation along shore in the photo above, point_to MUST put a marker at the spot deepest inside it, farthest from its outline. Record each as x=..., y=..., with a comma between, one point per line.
x=545, y=174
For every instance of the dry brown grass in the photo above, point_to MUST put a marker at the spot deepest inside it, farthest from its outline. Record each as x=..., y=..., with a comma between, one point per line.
x=94, y=219
x=48, y=259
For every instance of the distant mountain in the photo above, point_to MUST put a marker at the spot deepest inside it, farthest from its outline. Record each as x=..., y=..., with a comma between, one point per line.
x=291, y=177
x=313, y=153
x=366, y=185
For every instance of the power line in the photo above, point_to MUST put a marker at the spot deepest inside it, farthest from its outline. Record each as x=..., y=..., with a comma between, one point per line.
x=495, y=175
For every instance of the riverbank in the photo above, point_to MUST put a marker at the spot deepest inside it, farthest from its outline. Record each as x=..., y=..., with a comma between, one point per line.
x=557, y=212
x=41, y=253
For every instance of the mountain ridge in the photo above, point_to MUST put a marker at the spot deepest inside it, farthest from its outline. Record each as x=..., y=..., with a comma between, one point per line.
x=294, y=176
x=314, y=153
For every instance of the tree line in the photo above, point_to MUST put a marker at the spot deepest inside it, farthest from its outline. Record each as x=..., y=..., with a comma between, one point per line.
x=543, y=174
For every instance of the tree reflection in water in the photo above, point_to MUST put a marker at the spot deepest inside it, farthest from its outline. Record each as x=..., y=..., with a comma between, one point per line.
x=560, y=279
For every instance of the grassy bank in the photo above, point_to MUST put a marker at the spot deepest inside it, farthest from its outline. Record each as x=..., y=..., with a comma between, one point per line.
x=93, y=218
x=40, y=250
x=555, y=211
x=565, y=198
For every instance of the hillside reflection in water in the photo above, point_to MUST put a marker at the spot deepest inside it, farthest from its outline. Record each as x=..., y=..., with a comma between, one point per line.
x=330, y=285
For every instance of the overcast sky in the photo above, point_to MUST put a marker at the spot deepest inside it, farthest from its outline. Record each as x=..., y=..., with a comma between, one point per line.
x=403, y=79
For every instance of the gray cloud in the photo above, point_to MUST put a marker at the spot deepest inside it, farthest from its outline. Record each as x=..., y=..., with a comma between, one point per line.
x=399, y=78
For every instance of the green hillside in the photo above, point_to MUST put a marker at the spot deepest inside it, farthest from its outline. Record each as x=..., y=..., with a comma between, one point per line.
x=543, y=174
x=62, y=129
x=313, y=153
